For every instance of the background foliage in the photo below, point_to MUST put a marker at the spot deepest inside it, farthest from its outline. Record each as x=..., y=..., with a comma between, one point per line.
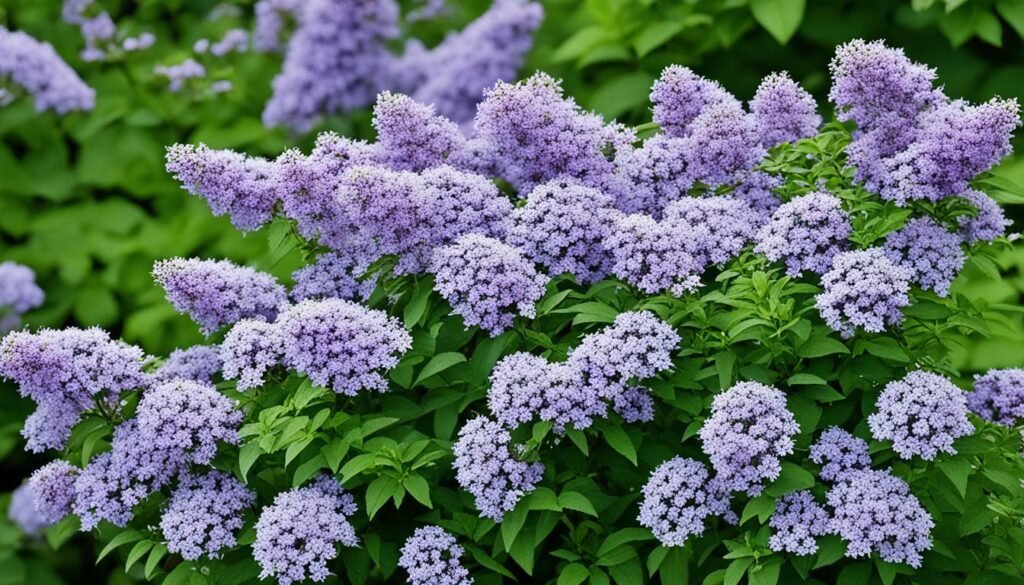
x=85, y=200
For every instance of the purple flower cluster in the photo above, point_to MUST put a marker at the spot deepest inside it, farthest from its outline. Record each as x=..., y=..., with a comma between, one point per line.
x=203, y=514
x=487, y=467
x=797, y=520
x=187, y=418
x=19, y=293
x=525, y=387
x=677, y=499
x=342, y=345
x=64, y=372
x=492, y=48
x=875, y=511
x=298, y=534
x=989, y=223
x=199, y=363
x=922, y=414
x=487, y=282
x=723, y=142
x=216, y=293
x=250, y=348
x=755, y=188
x=657, y=173
x=864, y=289
x=806, y=233
x=334, y=61
x=714, y=229
x=679, y=96
x=335, y=275
x=272, y=17
x=839, y=453
x=53, y=486
x=179, y=74
x=652, y=256
x=431, y=557
x=998, y=396
x=38, y=69
x=411, y=136
x=783, y=111
x=22, y=511
x=931, y=253
x=100, y=32
x=564, y=227
x=749, y=431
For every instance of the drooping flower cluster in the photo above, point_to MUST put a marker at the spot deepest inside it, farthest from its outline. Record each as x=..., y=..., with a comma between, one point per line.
x=487, y=282
x=783, y=111
x=929, y=251
x=217, y=293
x=411, y=136
x=204, y=513
x=298, y=534
x=487, y=467
x=22, y=511
x=998, y=396
x=864, y=289
x=678, y=498
x=199, y=363
x=874, y=511
x=806, y=233
x=342, y=345
x=38, y=69
x=922, y=415
x=431, y=557
x=334, y=60
x=250, y=348
x=749, y=431
x=564, y=227
x=19, y=294
x=53, y=486
x=839, y=453
x=797, y=520
x=989, y=223
x=64, y=372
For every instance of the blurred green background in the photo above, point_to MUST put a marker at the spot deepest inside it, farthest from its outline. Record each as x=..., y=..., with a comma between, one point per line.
x=85, y=200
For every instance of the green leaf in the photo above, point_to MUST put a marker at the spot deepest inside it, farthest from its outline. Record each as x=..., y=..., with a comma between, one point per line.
x=958, y=471
x=59, y=533
x=855, y=574
x=821, y=346
x=522, y=551
x=619, y=440
x=140, y=549
x=767, y=574
x=655, y=35
x=513, y=522
x=792, y=478
x=1012, y=12
x=373, y=425
x=576, y=501
x=378, y=493
x=438, y=364
x=248, y=455
x=761, y=506
x=418, y=487
x=308, y=470
x=734, y=572
x=573, y=574
x=121, y=539
x=487, y=562
x=624, y=536
x=887, y=348
x=887, y=571
x=591, y=312
x=155, y=556
x=804, y=379
x=830, y=550
x=334, y=452
x=357, y=465
x=781, y=18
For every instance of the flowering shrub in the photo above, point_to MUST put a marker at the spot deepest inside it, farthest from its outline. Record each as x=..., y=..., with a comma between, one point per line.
x=692, y=386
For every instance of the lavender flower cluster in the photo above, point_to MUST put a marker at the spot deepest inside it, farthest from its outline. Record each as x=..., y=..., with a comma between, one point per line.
x=678, y=498
x=431, y=557
x=37, y=69
x=922, y=415
x=19, y=294
x=100, y=31
x=863, y=289
x=204, y=513
x=998, y=396
x=488, y=467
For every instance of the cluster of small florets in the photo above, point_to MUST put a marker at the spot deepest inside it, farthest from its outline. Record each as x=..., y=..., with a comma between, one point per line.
x=922, y=415
x=180, y=74
x=199, y=363
x=714, y=229
x=204, y=513
x=217, y=293
x=989, y=223
x=22, y=510
x=487, y=282
x=333, y=275
x=749, y=431
x=38, y=69
x=652, y=256
x=864, y=289
x=19, y=294
x=272, y=17
x=998, y=396
x=64, y=372
x=806, y=233
x=487, y=467
x=342, y=345
x=798, y=519
x=525, y=387
x=929, y=251
x=839, y=453
x=100, y=32
x=678, y=498
x=875, y=511
x=431, y=557
x=783, y=111
x=250, y=348
x=187, y=417
x=298, y=534
x=53, y=486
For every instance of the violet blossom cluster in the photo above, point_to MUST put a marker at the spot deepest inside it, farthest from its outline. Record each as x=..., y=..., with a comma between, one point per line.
x=250, y=348
x=199, y=363
x=652, y=256
x=272, y=18
x=204, y=513
x=431, y=557
x=839, y=453
x=998, y=396
x=798, y=519
x=180, y=74
x=22, y=511
x=922, y=414
x=411, y=136
x=864, y=289
x=217, y=293
x=188, y=418
x=874, y=511
x=931, y=253
x=750, y=429
x=657, y=173
x=335, y=275
x=39, y=71
x=678, y=498
x=714, y=229
x=19, y=294
x=487, y=466
x=342, y=345
x=564, y=227
x=756, y=189
x=53, y=486
x=680, y=95
x=298, y=534
x=487, y=282
x=989, y=223
x=806, y=233
x=100, y=31
x=526, y=387
x=65, y=373
x=783, y=111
